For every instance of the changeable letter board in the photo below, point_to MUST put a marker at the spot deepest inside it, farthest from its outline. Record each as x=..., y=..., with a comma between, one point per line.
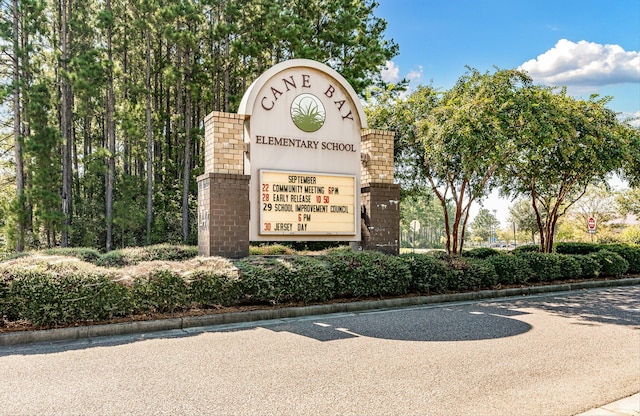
x=306, y=203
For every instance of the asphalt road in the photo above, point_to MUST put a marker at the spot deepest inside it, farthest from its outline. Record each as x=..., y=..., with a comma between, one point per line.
x=558, y=354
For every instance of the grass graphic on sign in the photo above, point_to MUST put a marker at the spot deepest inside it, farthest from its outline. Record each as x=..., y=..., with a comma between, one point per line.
x=307, y=112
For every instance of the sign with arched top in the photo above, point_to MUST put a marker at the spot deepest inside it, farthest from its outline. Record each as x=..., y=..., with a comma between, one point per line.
x=303, y=149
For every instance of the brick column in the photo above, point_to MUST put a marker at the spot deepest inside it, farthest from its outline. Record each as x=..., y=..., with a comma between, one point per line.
x=380, y=197
x=223, y=220
x=223, y=190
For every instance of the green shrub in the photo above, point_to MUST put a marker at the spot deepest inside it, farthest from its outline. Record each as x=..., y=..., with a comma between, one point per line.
x=630, y=253
x=483, y=271
x=576, y=248
x=135, y=255
x=511, y=269
x=611, y=264
x=89, y=255
x=428, y=273
x=311, y=279
x=169, y=252
x=589, y=266
x=458, y=277
x=290, y=279
x=544, y=267
x=13, y=255
x=529, y=248
x=211, y=288
x=43, y=298
x=270, y=250
x=569, y=266
x=368, y=273
x=113, y=258
x=262, y=280
x=160, y=291
x=481, y=253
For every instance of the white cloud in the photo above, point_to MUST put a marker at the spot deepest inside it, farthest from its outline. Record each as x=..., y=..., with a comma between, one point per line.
x=391, y=73
x=633, y=118
x=415, y=77
x=584, y=64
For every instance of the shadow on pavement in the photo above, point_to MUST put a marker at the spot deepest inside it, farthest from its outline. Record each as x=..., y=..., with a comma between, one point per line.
x=467, y=323
x=619, y=306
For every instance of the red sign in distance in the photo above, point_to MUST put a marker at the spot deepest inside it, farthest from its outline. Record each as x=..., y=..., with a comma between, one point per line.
x=591, y=223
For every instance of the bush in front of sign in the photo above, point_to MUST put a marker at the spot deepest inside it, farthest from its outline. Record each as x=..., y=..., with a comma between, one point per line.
x=428, y=273
x=368, y=273
x=211, y=288
x=161, y=290
x=284, y=279
x=46, y=297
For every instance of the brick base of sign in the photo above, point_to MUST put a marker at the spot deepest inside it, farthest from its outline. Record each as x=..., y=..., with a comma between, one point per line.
x=381, y=218
x=223, y=215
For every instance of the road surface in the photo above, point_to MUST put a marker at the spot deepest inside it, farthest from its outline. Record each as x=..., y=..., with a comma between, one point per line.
x=557, y=354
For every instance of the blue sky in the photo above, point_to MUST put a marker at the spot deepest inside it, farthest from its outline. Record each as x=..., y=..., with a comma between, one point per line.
x=589, y=46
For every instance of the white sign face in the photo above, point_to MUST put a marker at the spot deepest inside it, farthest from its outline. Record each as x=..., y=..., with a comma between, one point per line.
x=305, y=120
x=303, y=203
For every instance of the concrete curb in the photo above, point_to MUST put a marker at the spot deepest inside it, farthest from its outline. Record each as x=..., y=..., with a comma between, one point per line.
x=138, y=327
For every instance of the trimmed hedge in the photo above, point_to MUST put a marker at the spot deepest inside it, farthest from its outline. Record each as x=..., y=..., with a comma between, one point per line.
x=529, y=248
x=481, y=252
x=631, y=253
x=368, y=273
x=428, y=273
x=628, y=252
x=60, y=293
x=46, y=299
x=589, y=266
x=544, y=267
x=511, y=269
x=211, y=288
x=160, y=291
x=576, y=248
x=281, y=280
x=611, y=264
x=569, y=267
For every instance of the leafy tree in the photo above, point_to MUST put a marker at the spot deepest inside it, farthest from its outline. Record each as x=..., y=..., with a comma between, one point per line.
x=390, y=110
x=631, y=161
x=41, y=148
x=628, y=202
x=522, y=214
x=562, y=145
x=485, y=225
x=424, y=208
x=128, y=85
x=466, y=140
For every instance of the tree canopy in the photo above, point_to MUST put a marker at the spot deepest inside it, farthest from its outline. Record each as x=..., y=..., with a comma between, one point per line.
x=562, y=145
x=106, y=100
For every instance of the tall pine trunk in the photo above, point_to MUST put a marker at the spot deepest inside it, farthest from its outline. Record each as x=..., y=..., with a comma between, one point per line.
x=65, y=113
x=149, y=135
x=17, y=131
x=187, y=148
x=111, y=138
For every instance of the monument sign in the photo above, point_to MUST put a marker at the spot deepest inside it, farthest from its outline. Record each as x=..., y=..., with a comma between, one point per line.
x=296, y=163
x=303, y=138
